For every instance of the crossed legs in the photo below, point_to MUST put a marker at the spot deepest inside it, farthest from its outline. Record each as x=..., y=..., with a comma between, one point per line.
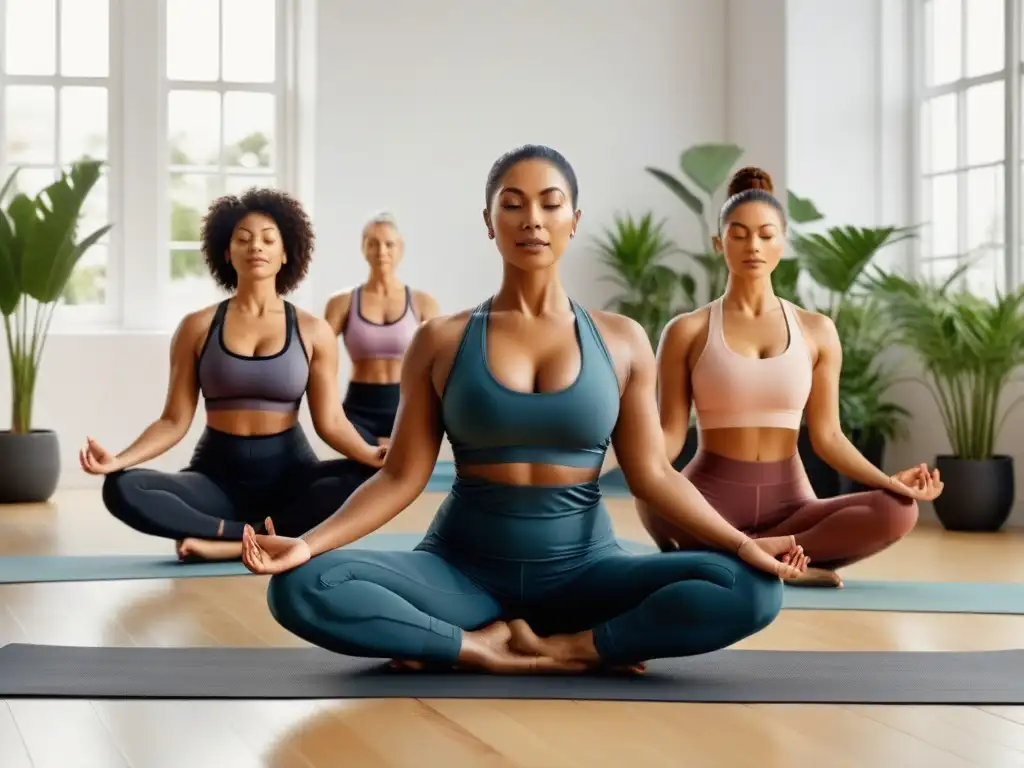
x=620, y=609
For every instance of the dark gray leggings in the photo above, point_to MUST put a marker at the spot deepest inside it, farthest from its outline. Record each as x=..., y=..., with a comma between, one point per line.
x=232, y=481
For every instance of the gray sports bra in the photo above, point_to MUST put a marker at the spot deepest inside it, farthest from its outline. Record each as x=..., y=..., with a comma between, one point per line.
x=232, y=382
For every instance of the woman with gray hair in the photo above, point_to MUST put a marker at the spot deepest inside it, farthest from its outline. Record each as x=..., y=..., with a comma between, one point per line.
x=376, y=321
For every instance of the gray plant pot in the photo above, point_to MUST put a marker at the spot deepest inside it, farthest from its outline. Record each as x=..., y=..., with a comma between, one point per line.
x=29, y=466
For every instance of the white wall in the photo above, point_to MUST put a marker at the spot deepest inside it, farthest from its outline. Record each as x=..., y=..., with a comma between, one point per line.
x=414, y=101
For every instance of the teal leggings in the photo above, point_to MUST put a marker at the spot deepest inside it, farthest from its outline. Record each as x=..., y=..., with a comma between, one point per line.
x=416, y=604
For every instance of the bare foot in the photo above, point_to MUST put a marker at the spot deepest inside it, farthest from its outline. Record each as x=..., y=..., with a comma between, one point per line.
x=489, y=649
x=818, y=577
x=571, y=649
x=208, y=549
x=494, y=636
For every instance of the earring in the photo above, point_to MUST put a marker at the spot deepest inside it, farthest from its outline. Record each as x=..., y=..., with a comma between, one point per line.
x=490, y=234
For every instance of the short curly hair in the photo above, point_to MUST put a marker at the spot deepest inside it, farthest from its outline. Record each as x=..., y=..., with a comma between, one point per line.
x=297, y=235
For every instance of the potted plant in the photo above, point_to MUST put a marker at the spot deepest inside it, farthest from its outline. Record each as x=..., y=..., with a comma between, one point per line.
x=38, y=253
x=969, y=348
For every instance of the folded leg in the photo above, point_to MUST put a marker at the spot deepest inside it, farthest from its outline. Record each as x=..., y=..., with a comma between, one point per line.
x=842, y=530
x=172, y=505
x=642, y=607
x=401, y=605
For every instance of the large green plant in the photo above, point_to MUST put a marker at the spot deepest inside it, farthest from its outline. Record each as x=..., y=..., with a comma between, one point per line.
x=651, y=292
x=38, y=253
x=969, y=348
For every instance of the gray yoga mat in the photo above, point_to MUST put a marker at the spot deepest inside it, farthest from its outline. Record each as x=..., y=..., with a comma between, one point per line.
x=41, y=671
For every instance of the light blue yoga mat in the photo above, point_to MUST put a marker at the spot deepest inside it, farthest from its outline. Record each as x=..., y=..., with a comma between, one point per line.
x=910, y=597
x=28, y=569
x=901, y=596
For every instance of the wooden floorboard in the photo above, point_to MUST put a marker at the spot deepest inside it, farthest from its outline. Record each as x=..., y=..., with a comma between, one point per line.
x=451, y=733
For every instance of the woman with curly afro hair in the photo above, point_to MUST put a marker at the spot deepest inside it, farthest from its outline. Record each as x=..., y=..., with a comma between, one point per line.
x=252, y=357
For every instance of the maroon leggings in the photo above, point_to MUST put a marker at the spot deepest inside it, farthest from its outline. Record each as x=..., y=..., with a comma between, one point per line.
x=775, y=499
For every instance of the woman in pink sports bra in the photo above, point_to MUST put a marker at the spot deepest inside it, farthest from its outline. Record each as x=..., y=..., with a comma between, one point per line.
x=377, y=321
x=754, y=366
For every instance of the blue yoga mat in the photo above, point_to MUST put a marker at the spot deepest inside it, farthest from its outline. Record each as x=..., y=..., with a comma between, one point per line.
x=857, y=595
x=30, y=569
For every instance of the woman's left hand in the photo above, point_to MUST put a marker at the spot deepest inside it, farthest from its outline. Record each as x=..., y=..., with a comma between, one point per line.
x=917, y=483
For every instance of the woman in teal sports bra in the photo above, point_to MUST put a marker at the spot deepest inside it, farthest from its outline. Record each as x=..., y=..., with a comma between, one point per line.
x=520, y=570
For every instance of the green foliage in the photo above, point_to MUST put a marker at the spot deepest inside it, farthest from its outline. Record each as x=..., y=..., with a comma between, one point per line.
x=38, y=253
x=837, y=259
x=865, y=334
x=969, y=349
x=651, y=292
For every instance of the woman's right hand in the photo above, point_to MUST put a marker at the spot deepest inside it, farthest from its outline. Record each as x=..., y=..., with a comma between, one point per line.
x=777, y=555
x=268, y=553
x=97, y=460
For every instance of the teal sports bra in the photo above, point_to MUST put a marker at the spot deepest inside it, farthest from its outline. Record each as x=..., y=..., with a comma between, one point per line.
x=488, y=423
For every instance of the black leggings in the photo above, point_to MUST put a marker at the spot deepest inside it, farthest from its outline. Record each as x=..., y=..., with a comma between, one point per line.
x=232, y=481
x=371, y=408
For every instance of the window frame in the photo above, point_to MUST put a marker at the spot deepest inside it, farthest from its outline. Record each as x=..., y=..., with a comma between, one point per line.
x=80, y=315
x=138, y=171
x=1011, y=77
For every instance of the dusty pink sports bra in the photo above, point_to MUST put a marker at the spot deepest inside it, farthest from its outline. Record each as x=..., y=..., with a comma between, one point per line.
x=731, y=390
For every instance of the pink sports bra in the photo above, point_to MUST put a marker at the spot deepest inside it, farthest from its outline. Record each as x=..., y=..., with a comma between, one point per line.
x=731, y=390
x=379, y=341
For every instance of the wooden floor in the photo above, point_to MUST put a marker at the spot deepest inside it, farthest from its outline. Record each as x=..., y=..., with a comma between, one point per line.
x=364, y=734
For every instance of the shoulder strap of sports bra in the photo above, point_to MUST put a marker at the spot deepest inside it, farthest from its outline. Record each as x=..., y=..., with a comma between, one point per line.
x=218, y=316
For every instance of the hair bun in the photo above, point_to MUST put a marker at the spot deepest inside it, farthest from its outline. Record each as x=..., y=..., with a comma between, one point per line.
x=750, y=177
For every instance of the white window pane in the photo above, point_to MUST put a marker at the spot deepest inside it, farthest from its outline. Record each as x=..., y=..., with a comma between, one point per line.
x=193, y=39
x=940, y=127
x=943, y=216
x=249, y=129
x=188, y=262
x=30, y=37
x=986, y=274
x=985, y=37
x=88, y=283
x=193, y=127
x=249, y=39
x=31, y=181
x=986, y=203
x=30, y=124
x=190, y=195
x=236, y=185
x=83, y=124
x=986, y=111
x=943, y=27
x=85, y=38
x=191, y=287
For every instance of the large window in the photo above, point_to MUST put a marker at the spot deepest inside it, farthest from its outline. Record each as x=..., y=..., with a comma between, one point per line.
x=55, y=103
x=224, y=113
x=187, y=100
x=969, y=153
